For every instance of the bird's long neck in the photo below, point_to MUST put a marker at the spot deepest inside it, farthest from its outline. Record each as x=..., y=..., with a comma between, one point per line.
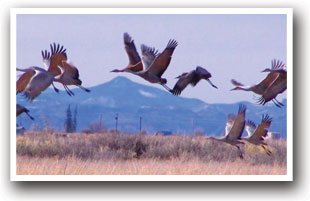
x=245, y=88
x=118, y=71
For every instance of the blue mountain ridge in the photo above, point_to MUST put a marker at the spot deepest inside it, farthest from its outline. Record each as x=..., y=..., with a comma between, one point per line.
x=159, y=110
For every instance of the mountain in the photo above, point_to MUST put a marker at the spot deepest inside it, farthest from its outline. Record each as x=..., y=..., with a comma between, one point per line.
x=159, y=110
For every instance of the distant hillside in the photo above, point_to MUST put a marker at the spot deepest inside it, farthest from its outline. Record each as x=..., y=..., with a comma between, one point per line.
x=159, y=109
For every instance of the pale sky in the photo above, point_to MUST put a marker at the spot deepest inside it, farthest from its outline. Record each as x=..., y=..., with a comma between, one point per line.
x=228, y=46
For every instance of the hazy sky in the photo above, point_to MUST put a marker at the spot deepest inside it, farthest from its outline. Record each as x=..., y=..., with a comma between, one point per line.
x=228, y=46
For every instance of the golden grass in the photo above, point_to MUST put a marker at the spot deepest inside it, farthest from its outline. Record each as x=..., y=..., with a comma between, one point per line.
x=177, y=166
x=124, y=154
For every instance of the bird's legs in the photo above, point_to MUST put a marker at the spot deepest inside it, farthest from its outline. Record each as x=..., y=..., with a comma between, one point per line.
x=166, y=87
x=268, y=152
x=241, y=155
x=276, y=104
x=69, y=92
x=279, y=102
x=29, y=116
x=83, y=88
x=57, y=90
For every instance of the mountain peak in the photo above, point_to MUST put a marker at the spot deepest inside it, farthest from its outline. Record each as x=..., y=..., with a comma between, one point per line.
x=120, y=80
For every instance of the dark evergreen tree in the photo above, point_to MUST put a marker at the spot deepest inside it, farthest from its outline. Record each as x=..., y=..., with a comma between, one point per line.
x=68, y=127
x=74, y=119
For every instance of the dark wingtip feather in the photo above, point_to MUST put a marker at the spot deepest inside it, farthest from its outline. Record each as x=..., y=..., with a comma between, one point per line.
x=276, y=64
x=176, y=91
x=45, y=55
x=57, y=49
x=172, y=44
x=242, y=108
x=151, y=50
x=127, y=38
x=250, y=123
x=266, y=118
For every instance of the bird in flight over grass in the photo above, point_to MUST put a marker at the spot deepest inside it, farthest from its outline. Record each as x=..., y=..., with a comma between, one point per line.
x=256, y=135
x=67, y=73
x=234, y=129
x=192, y=78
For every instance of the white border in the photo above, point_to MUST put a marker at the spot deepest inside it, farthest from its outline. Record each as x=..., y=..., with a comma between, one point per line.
x=286, y=11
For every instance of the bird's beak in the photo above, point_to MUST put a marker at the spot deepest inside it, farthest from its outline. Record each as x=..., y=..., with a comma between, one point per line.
x=233, y=89
x=264, y=71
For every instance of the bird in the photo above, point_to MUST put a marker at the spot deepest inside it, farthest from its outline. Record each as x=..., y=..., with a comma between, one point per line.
x=277, y=87
x=256, y=135
x=234, y=129
x=69, y=76
x=34, y=81
x=192, y=77
x=261, y=87
x=154, y=69
x=135, y=63
x=20, y=109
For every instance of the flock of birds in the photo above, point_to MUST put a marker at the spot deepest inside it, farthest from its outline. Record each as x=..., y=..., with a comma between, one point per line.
x=151, y=67
x=235, y=126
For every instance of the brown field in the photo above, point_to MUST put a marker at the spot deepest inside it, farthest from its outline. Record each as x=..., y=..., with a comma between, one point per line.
x=110, y=153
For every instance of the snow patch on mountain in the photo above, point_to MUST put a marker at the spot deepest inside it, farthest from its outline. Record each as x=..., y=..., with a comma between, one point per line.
x=146, y=94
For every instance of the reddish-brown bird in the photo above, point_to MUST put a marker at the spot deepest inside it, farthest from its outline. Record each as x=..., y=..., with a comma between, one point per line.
x=234, y=131
x=70, y=76
x=261, y=87
x=257, y=135
x=135, y=63
x=155, y=68
x=277, y=87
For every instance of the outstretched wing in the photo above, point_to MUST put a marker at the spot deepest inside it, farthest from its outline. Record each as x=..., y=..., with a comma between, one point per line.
x=24, y=80
x=131, y=50
x=148, y=56
x=262, y=129
x=38, y=84
x=162, y=61
x=46, y=58
x=250, y=127
x=230, y=121
x=181, y=84
x=58, y=55
x=70, y=70
x=238, y=126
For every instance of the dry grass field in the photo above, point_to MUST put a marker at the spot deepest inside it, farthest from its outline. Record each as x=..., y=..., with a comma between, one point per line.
x=116, y=154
